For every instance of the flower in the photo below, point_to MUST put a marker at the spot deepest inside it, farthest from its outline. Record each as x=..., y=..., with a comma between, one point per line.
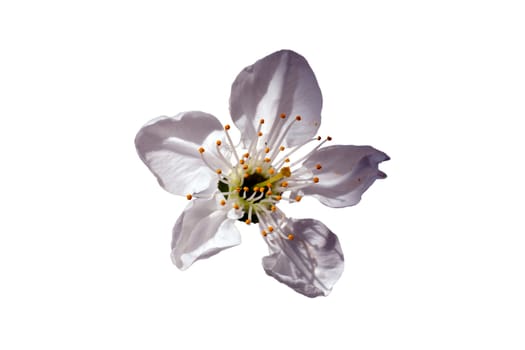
x=276, y=104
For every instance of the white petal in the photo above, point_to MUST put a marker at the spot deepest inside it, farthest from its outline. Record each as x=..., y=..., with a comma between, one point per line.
x=282, y=82
x=202, y=230
x=346, y=173
x=311, y=263
x=169, y=147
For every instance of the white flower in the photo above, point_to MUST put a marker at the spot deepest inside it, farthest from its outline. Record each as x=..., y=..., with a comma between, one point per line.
x=276, y=103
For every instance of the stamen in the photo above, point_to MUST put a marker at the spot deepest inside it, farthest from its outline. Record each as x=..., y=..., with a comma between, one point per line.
x=201, y=150
x=189, y=196
x=218, y=171
x=223, y=202
x=316, y=179
x=226, y=128
x=318, y=166
x=218, y=142
x=291, y=237
x=298, y=198
x=236, y=206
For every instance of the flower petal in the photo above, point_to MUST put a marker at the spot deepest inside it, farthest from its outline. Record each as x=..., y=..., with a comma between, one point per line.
x=282, y=82
x=202, y=230
x=169, y=147
x=346, y=173
x=311, y=263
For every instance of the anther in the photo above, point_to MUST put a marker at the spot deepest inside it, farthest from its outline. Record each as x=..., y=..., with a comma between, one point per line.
x=318, y=166
x=329, y=138
x=282, y=116
x=316, y=179
x=291, y=237
x=267, y=160
x=189, y=197
x=298, y=118
x=218, y=142
x=261, y=121
x=223, y=202
x=248, y=221
x=271, y=171
x=286, y=171
x=284, y=184
x=281, y=148
x=241, y=162
x=201, y=150
x=258, y=170
x=218, y=171
x=264, y=233
x=246, y=175
x=287, y=160
x=261, y=189
x=255, y=189
x=273, y=208
x=227, y=127
x=269, y=193
x=318, y=138
x=298, y=198
x=245, y=166
x=278, y=197
x=260, y=133
x=245, y=189
x=236, y=206
x=246, y=155
x=267, y=150
x=270, y=228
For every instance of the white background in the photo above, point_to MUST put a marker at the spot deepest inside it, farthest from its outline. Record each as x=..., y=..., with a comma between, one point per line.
x=434, y=254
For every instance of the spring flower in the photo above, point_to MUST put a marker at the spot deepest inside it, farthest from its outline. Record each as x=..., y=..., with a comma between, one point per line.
x=276, y=104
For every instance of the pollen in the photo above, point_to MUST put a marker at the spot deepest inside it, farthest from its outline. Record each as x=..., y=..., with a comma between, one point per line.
x=227, y=127
x=286, y=171
x=201, y=150
x=298, y=118
x=291, y=237
x=316, y=179
x=318, y=166
x=189, y=197
x=218, y=142
x=223, y=202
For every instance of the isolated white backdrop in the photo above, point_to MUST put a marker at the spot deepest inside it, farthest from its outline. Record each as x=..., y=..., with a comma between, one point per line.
x=434, y=254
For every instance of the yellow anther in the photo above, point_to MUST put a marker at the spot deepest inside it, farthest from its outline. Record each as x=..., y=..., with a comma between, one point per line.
x=264, y=233
x=218, y=171
x=189, y=196
x=298, y=118
x=241, y=161
x=258, y=170
x=316, y=179
x=278, y=197
x=236, y=206
x=269, y=193
x=282, y=116
x=245, y=166
x=201, y=150
x=223, y=202
x=227, y=127
x=287, y=160
x=318, y=166
x=267, y=160
x=281, y=148
x=267, y=150
x=248, y=221
x=245, y=189
x=246, y=155
x=298, y=198
x=286, y=171
x=270, y=228
x=271, y=171
x=261, y=121
x=255, y=189
x=284, y=184
x=291, y=237
x=329, y=138
x=261, y=189
x=218, y=142
x=259, y=133
x=269, y=185
x=273, y=208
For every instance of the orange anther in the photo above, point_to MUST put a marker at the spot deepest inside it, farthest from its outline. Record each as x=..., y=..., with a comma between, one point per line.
x=248, y=221
x=298, y=198
x=298, y=118
x=189, y=197
x=281, y=148
x=236, y=206
x=270, y=228
x=223, y=202
x=316, y=179
x=282, y=116
x=291, y=237
x=318, y=166
x=227, y=127
x=218, y=171
x=218, y=142
x=201, y=150
x=261, y=121
x=267, y=150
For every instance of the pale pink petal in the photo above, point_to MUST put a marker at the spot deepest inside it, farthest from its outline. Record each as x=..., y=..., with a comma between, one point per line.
x=346, y=173
x=282, y=82
x=311, y=263
x=202, y=230
x=169, y=147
